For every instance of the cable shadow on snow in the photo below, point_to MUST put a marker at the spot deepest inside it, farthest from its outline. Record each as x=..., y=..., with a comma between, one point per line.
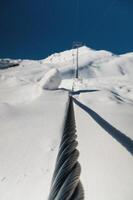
x=78, y=91
x=83, y=91
x=124, y=140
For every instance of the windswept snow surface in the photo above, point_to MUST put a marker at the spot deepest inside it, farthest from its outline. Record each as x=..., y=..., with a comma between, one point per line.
x=32, y=118
x=29, y=140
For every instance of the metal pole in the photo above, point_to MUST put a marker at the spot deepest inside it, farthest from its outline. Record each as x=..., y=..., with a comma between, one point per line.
x=77, y=74
x=76, y=45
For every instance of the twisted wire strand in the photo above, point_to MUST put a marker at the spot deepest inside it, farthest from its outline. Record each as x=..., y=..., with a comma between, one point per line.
x=66, y=184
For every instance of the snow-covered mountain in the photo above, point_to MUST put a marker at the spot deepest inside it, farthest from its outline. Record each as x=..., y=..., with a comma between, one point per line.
x=97, y=69
x=32, y=117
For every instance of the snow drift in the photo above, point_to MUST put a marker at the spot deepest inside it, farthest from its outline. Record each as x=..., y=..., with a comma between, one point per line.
x=51, y=80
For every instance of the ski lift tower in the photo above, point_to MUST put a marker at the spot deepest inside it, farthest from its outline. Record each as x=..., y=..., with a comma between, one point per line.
x=76, y=45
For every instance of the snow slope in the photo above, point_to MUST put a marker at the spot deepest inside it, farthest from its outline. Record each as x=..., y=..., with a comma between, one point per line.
x=31, y=122
x=29, y=139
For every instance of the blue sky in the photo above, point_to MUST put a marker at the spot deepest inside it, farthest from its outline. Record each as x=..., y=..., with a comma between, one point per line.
x=35, y=29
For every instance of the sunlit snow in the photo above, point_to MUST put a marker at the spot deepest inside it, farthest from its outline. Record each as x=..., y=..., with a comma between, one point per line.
x=33, y=104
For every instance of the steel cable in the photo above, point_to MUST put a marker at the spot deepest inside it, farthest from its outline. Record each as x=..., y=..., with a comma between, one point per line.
x=66, y=184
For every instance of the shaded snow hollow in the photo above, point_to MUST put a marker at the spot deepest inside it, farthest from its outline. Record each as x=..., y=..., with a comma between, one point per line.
x=32, y=114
